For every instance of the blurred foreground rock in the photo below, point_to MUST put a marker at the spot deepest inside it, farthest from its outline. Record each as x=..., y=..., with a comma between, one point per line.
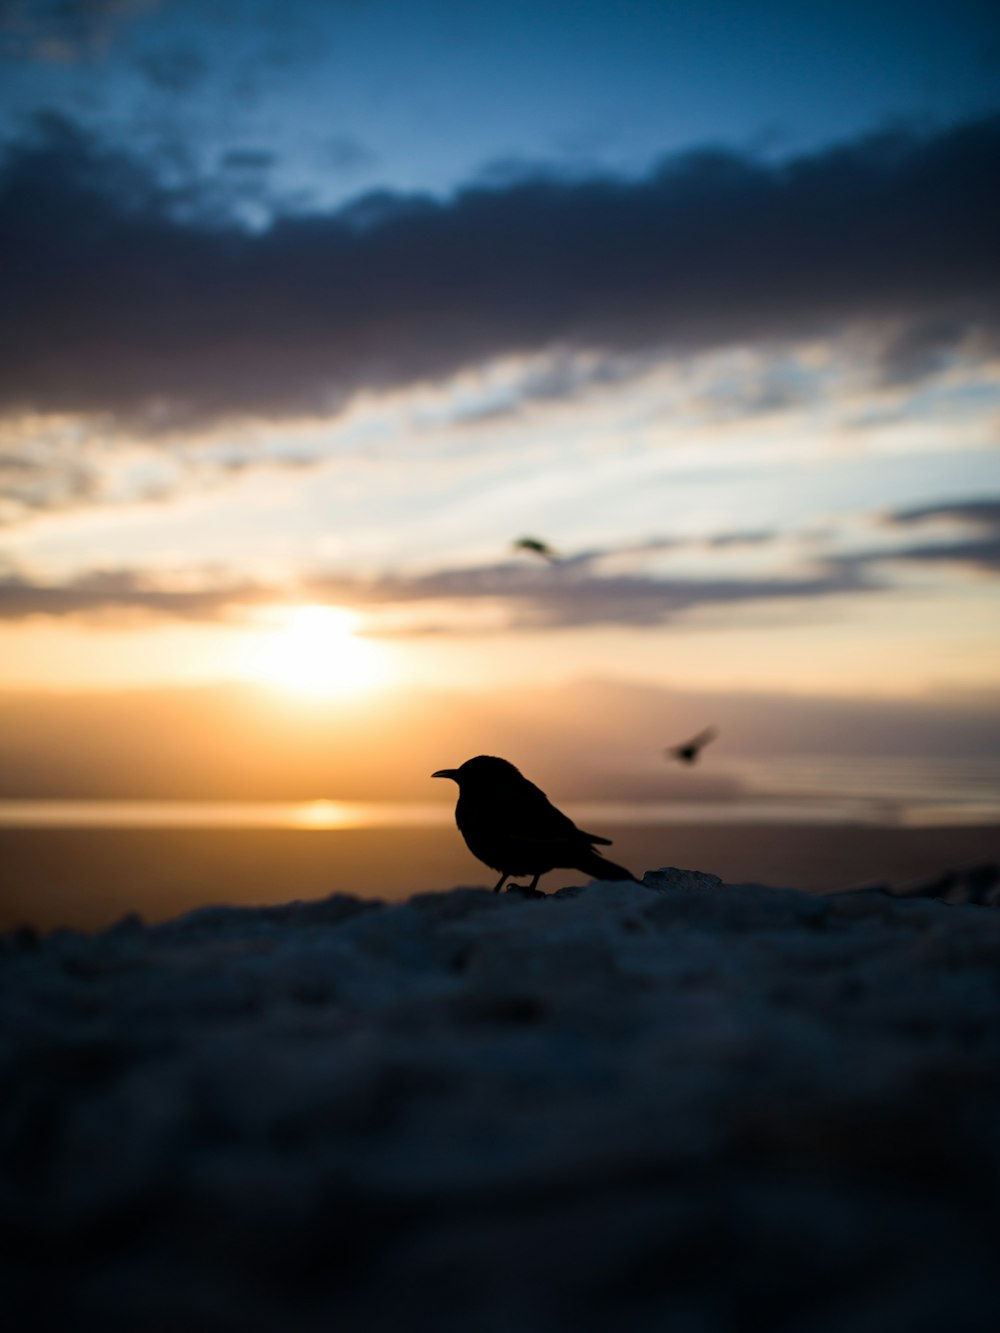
x=682, y=1105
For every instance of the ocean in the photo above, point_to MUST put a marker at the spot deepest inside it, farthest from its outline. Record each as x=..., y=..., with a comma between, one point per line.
x=893, y=792
x=810, y=822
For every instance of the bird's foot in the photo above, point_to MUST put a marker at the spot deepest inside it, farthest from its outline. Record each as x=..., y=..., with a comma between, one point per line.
x=525, y=890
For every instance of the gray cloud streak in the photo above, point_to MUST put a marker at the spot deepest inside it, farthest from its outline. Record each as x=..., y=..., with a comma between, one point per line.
x=980, y=550
x=122, y=592
x=560, y=598
x=573, y=593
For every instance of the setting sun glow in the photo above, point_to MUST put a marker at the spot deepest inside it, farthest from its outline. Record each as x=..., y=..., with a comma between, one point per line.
x=316, y=651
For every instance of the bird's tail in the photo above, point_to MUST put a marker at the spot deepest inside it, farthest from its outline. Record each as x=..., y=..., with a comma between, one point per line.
x=598, y=867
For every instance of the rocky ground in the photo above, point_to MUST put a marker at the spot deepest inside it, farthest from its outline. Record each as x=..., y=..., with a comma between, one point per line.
x=677, y=1106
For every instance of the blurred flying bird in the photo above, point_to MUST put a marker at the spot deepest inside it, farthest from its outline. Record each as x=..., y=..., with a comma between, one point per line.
x=536, y=547
x=512, y=826
x=688, y=752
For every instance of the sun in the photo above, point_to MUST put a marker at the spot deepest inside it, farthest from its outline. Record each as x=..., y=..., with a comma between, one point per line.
x=316, y=651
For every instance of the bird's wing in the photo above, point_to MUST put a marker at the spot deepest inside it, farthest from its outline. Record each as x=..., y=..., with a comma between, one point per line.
x=592, y=837
x=539, y=821
x=696, y=742
x=536, y=817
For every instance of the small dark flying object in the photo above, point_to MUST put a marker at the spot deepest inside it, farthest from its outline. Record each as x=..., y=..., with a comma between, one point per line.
x=536, y=547
x=512, y=826
x=688, y=752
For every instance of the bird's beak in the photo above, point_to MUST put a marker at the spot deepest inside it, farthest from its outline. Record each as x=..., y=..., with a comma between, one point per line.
x=446, y=773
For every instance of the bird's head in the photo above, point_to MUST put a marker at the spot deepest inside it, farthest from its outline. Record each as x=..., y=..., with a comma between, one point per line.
x=483, y=772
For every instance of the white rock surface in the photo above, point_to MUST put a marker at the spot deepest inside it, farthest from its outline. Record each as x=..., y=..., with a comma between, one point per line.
x=676, y=1106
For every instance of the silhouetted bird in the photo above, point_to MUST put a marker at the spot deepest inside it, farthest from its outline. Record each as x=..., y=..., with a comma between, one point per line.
x=536, y=547
x=689, y=751
x=513, y=827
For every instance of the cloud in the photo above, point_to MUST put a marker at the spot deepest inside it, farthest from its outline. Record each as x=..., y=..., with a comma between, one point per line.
x=346, y=154
x=979, y=513
x=174, y=69
x=126, y=300
x=725, y=540
x=575, y=594
x=62, y=31
x=603, y=586
x=252, y=161
x=921, y=350
x=979, y=550
x=32, y=483
x=507, y=391
x=122, y=592
x=635, y=600
x=60, y=471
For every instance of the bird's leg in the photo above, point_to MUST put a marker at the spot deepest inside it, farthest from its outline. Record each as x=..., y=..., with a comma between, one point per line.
x=500, y=883
x=533, y=886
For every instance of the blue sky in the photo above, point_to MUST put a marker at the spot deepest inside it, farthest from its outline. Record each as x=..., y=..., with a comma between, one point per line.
x=332, y=98
x=329, y=303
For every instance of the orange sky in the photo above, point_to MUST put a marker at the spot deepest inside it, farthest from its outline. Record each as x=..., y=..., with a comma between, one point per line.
x=276, y=412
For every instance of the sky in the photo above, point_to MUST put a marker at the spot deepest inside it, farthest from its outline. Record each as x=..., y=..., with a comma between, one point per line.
x=310, y=311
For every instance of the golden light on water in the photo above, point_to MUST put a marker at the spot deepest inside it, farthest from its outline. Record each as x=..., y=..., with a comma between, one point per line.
x=316, y=651
x=323, y=815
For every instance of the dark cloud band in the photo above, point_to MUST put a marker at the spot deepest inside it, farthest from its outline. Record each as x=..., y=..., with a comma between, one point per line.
x=117, y=299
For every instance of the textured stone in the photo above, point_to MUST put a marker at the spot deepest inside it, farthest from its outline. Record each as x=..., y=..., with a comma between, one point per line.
x=678, y=1104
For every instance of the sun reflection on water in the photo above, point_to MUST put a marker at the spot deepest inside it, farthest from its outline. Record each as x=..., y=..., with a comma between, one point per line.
x=324, y=815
